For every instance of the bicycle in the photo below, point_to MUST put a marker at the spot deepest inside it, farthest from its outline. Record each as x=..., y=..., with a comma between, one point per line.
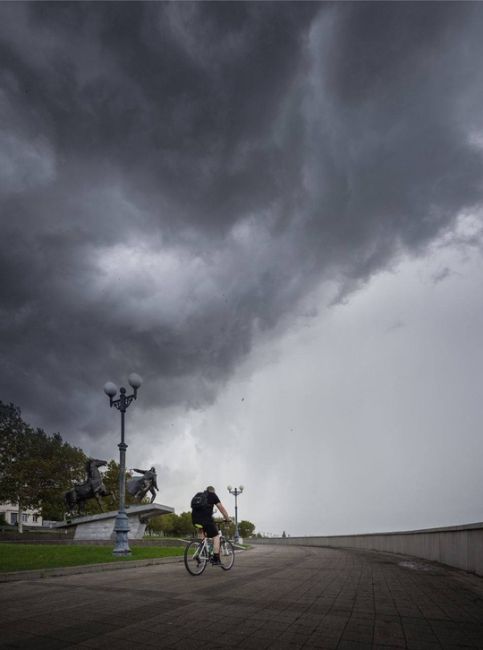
x=199, y=553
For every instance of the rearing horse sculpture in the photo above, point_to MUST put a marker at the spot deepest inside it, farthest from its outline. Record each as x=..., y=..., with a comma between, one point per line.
x=139, y=486
x=90, y=489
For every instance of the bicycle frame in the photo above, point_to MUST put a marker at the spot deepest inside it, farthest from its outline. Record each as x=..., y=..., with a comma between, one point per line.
x=199, y=553
x=204, y=552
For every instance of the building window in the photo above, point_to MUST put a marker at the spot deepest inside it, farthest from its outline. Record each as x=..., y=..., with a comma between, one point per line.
x=13, y=517
x=35, y=518
x=25, y=517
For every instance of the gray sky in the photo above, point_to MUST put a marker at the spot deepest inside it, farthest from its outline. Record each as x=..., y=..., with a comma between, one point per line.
x=272, y=212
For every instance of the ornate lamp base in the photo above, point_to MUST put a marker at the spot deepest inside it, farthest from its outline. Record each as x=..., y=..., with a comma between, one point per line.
x=121, y=528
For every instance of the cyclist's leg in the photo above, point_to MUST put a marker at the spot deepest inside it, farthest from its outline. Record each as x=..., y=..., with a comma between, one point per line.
x=216, y=544
x=200, y=531
x=212, y=531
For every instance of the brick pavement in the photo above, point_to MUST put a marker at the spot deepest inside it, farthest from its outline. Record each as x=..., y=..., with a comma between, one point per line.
x=274, y=597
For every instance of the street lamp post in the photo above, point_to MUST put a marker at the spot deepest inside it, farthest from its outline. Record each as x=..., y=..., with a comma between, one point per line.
x=236, y=492
x=121, y=526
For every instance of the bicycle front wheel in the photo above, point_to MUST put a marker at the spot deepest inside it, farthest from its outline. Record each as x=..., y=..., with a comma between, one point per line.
x=227, y=555
x=194, y=563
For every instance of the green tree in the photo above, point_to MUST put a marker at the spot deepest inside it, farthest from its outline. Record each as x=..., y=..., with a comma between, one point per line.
x=246, y=528
x=184, y=525
x=227, y=528
x=172, y=525
x=63, y=465
x=111, y=481
x=155, y=526
x=167, y=524
x=12, y=433
x=34, y=467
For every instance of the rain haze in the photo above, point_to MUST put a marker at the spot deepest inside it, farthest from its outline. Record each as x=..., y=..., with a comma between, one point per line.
x=272, y=212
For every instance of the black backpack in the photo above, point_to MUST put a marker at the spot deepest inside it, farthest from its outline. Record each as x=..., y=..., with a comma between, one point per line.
x=200, y=501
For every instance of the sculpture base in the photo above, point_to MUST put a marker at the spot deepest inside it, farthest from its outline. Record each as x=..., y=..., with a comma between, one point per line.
x=101, y=526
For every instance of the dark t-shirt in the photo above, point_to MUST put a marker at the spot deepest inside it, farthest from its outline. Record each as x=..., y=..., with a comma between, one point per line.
x=207, y=513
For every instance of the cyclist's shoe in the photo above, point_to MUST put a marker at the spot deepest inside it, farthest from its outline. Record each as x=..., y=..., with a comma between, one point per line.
x=215, y=561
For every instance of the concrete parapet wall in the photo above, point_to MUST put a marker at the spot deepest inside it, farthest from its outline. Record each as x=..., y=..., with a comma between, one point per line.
x=456, y=546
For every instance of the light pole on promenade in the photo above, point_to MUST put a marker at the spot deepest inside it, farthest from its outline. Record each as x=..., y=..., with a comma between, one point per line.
x=236, y=492
x=121, y=526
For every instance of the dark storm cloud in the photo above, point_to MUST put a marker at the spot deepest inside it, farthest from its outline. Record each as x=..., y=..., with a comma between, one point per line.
x=175, y=176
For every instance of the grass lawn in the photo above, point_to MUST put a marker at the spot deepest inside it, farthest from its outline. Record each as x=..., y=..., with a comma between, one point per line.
x=21, y=557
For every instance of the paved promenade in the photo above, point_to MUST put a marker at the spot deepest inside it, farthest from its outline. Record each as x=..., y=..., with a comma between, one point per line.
x=274, y=597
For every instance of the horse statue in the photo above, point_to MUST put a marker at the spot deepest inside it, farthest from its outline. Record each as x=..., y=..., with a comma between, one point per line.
x=139, y=486
x=90, y=489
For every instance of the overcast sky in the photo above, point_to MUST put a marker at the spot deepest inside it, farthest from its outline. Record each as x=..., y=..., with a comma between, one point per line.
x=273, y=213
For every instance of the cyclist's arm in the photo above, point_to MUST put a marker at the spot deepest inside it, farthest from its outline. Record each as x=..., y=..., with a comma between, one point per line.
x=223, y=511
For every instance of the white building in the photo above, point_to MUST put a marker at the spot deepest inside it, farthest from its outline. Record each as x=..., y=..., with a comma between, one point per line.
x=11, y=514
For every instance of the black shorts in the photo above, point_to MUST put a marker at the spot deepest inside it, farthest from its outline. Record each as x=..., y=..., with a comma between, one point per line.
x=209, y=527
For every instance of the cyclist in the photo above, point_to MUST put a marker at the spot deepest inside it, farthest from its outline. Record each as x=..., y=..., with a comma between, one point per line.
x=202, y=518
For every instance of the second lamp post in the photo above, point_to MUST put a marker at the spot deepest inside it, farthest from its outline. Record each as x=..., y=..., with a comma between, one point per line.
x=236, y=492
x=121, y=526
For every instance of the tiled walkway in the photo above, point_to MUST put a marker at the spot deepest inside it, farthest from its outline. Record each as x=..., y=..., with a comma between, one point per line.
x=274, y=597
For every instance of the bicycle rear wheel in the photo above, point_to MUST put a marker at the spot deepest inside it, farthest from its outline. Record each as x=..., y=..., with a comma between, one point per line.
x=193, y=562
x=227, y=554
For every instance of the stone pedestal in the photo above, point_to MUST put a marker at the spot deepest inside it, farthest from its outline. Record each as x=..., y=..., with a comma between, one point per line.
x=101, y=526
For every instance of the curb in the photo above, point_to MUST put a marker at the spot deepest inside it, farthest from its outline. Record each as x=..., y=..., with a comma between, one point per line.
x=15, y=576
